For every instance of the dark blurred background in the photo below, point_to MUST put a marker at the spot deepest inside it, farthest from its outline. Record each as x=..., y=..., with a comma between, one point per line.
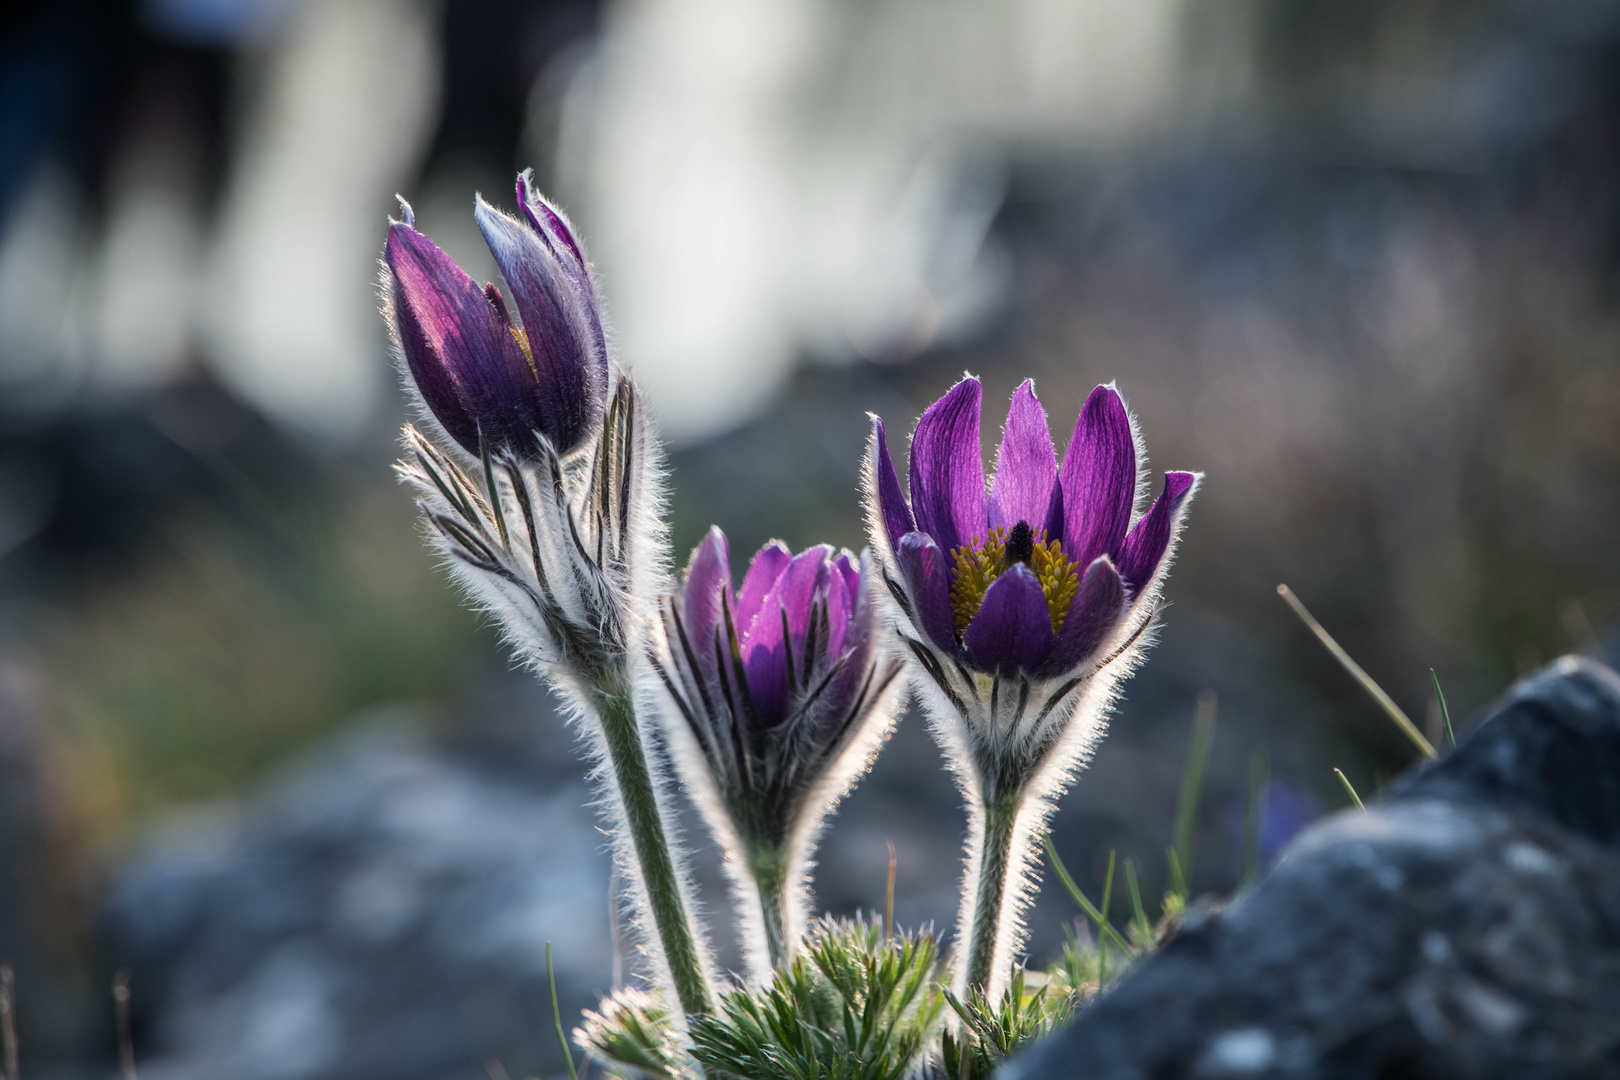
x=1357, y=262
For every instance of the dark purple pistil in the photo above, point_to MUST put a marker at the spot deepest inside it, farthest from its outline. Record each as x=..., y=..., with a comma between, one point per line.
x=1020, y=545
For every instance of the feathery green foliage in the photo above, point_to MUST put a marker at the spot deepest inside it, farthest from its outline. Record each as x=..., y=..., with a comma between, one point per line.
x=856, y=1004
x=636, y=1035
x=989, y=1035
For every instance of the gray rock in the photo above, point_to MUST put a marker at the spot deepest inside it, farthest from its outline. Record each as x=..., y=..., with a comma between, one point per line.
x=1467, y=926
x=379, y=913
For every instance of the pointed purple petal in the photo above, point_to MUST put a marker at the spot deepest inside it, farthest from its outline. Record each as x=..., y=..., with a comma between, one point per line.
x=1012, y=632
x=1093, y=613
x=928, y=583
x=947, y=469
x=764, y=658
x=849, y=571
x=765, y=668
x=1098, y=479
x=451, y=316
x=862, y=630
x=762, y=573
x=556, y=322
x=707, y=573
x=1146, y=544
x=552, y=225
x=843, y=596
x=1026, y=468
x=430, y=373
x=547, y=220
x=897, y=520
x=839, y=606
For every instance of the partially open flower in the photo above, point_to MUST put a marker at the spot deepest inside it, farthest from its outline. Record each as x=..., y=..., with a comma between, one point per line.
x=785, y=687
x=1023, y=606
x=1034, y=577
x=491, y=382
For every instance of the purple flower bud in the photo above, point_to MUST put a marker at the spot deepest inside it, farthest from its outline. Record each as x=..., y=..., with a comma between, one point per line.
x=790, y=648
x=785, y=686
x=486, y=379
x=776, y=678
x=1035, y=576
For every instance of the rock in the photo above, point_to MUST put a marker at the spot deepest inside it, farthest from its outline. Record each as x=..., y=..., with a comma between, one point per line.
x=379, y=913
x=1466, y=926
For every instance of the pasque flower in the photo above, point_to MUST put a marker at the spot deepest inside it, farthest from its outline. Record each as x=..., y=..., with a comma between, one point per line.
x=485, y=378
x=785, y=686
x=1022, y=605
x=1029, y=579
x=542, y=482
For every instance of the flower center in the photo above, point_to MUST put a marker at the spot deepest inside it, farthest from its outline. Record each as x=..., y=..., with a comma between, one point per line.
x=980, y=563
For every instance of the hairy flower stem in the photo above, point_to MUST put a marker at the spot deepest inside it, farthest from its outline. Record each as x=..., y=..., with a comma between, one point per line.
x=991, y=869
x=622, y=730
x=769, y=868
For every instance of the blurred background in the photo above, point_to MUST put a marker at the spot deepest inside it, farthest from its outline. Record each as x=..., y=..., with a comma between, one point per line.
x=1356, y=262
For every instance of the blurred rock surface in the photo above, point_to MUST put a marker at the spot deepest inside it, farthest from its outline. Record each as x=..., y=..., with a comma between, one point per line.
x=379, y=911
x=1466, y=926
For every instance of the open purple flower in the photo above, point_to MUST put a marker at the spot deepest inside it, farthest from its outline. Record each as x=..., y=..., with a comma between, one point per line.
x=488, y=380
x=1032, y=577
x=782, y=683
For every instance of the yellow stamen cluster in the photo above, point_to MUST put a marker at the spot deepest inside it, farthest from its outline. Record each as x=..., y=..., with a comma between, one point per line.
x=978, y=564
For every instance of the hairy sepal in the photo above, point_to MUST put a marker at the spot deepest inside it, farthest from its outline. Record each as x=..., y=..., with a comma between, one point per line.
x=559, y=550
x=755, y=812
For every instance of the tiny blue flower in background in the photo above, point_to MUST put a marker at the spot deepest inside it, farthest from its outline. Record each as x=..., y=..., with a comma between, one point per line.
x=785, y=687
x=480, y=374
x=1285, y=811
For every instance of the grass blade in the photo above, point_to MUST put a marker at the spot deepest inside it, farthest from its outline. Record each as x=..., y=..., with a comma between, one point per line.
x=1080, y=900
x=1445, y=713
x=556, y=1016
x=1144, y=929
x=1192, y=782
x=1348, y=790
x=1102, y=939
x=1384, y=701
x=1178, y=880
x=888, y=895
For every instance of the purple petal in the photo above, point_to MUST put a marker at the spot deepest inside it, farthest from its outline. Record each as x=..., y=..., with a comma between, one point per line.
x=764, y=658
x=547, y=220
x=1146, y=544
x=1093, y=613
x=839, y=606
x=450, y=318
x=843, y=597
x=552, y=226
x=1012, y=632
x=708, y=572
x=862, y=632
x=1026, y=468
x=570, y=368
x=432, y=376
x=849, y=571
x=947, y=470
x=928, y=582
x=1098, y=479
x=897, y=520
x=765, y=668
x=762, y=573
